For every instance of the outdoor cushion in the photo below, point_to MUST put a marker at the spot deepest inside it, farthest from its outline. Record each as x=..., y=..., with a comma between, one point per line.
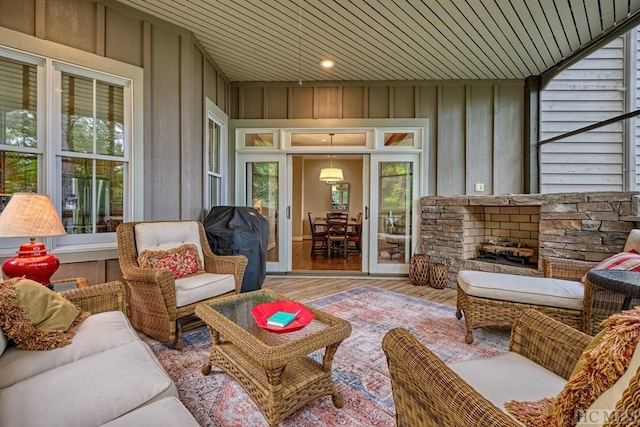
x=606, y=402
x=522, y=289
x=183, y=261
x=99, y=332
x=95, y=389
x=527, y=380
x=629, y=261
x=156, y=236
x=45, y=308
x=633, y=242
x=167, y=412
x=25, y=305
x=202, y=286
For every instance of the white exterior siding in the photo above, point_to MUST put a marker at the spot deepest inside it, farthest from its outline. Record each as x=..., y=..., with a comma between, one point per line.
x=590, y=91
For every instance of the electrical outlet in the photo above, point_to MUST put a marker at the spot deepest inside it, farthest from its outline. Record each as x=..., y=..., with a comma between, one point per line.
x=479, y=186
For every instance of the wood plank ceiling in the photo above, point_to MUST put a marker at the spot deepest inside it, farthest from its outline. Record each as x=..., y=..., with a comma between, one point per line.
x=284, y=40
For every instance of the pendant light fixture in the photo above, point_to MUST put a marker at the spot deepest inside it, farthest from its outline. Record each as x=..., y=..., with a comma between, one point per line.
x=331, y=175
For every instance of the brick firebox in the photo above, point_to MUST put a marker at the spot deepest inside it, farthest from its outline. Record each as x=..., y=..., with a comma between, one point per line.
x=586, y=226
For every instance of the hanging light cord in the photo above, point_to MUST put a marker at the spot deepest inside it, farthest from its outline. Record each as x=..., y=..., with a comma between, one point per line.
x=300, y=43
x=331, y=152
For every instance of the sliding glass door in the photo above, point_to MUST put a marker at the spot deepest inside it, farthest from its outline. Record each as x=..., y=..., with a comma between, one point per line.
x=263, y=186
x=394, y=203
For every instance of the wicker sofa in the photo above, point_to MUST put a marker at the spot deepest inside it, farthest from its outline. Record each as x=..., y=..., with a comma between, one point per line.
x=542, y=355
x=106, y=376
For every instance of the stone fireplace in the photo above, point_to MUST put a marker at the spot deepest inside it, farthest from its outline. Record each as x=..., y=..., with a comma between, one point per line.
x=586, y=226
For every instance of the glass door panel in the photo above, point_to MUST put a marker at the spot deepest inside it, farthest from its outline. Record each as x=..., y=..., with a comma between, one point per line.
x=262, y=186
x=263, y=197
x=394, y=198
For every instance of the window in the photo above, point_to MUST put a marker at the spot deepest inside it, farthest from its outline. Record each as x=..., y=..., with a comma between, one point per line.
x=92, y=154
x=76, y=147
x=19, y=123
x=215, y=143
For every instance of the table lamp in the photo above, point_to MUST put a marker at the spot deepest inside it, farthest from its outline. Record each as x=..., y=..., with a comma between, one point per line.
x=31, y=215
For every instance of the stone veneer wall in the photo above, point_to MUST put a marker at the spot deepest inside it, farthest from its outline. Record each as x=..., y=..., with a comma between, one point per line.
x=585, y=226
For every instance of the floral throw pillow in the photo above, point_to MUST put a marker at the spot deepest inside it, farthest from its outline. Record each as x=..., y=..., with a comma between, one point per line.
x=183, y=261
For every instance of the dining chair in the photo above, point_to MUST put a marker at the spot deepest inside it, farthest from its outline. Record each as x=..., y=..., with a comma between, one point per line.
x=337, y=237
x=355, y=236
x=318, y=237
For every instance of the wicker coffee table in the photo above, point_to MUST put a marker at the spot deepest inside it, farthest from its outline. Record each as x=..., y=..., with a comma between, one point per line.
x=274, y=369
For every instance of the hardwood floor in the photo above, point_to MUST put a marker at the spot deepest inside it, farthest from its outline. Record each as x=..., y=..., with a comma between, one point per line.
x=304, y=261
x=307, y=289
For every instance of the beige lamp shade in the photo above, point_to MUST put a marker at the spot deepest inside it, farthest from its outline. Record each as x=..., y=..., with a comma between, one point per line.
x=331, y=175
x=30, y=215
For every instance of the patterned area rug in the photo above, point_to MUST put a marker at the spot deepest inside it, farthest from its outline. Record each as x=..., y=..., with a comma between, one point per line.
x=359, y=367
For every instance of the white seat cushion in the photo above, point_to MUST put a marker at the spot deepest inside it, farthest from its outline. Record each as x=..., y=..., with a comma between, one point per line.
x=88, y=392
x=167, y=412
x=507, y=377
x=202, y=286
x=523, y=289
x=99, y=332
x=165, y=235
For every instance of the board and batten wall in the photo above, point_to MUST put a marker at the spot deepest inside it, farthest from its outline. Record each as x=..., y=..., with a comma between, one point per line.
x=476, y=127
x=178, y=75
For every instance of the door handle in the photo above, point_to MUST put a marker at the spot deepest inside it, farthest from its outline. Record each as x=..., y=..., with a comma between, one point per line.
x=288, y=212
x=366, y=212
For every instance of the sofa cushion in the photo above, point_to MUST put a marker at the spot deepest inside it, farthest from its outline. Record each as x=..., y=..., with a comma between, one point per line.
x=90, y=391
x=605, y=404
x=183, y=261
x=603, y=365
x=167, y=412
x=99, y=332
x=45, y=308
x=527, y=380
x=202, y=286
x=17, y=324
x=523, y=289
x=163, y=235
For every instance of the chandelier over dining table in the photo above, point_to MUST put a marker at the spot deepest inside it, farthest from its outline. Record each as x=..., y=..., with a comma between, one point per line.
x=331, y=175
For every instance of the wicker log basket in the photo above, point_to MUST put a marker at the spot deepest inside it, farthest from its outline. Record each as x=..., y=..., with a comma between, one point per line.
x=419, y=270
x=438, y=275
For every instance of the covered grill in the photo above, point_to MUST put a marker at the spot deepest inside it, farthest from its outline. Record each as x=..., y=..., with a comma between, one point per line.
x=237, y=230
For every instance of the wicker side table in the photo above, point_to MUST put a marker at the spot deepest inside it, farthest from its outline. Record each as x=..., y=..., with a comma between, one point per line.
x=274, y=369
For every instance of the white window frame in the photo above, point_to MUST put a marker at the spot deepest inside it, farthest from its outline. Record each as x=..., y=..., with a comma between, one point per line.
x=50, y=58
x=214, y=113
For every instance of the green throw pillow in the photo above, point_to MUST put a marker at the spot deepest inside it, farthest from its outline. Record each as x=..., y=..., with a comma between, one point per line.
x=27, y=309
x=45, y=308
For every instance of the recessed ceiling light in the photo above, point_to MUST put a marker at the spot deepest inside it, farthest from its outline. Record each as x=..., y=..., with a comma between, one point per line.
x=327, y=63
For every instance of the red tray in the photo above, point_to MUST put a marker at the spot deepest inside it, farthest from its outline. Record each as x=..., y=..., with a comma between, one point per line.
x=262, y=312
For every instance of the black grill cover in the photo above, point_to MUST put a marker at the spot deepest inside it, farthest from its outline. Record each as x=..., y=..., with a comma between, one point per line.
x=238, y=230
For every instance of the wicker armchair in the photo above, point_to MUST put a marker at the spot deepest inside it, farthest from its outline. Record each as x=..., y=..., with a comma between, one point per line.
x=598, y=303
x=153, y=306
x=427, y=392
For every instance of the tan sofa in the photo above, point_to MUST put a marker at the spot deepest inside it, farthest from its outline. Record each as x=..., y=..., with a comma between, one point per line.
x=107, y=375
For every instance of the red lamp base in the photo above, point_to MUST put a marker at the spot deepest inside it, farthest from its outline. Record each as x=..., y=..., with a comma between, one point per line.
x=33, y=262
